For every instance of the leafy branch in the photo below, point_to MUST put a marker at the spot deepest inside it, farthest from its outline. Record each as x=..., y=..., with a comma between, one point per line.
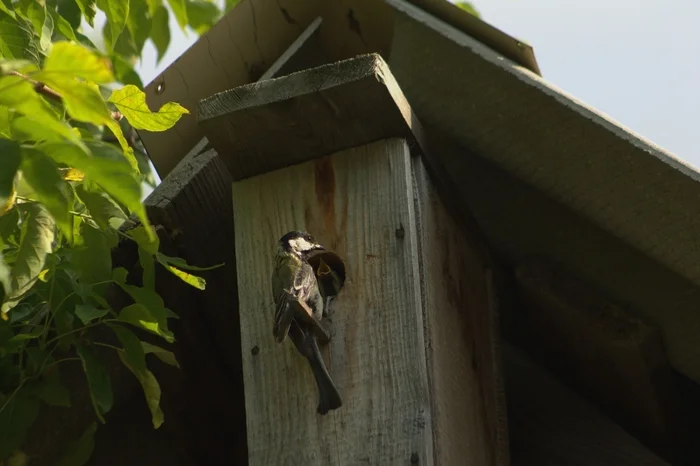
x=71, y=170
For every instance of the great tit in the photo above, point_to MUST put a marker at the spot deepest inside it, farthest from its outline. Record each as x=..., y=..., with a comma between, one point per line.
x=294, y=281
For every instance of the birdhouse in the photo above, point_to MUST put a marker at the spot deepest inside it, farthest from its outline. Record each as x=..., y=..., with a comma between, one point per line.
x=504, y=245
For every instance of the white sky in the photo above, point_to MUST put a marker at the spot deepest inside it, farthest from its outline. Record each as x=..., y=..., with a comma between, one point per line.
x=638, y=61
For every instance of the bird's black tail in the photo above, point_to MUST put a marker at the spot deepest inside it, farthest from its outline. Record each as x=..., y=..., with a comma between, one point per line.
x=328, y=396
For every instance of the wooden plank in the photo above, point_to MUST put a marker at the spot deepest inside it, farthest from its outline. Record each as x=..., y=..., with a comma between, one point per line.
x=305, y=52
x=352, y=202
x=502, y=204
x=552, y=426
x=315, y=112
x=593, y=344
x=464, y=359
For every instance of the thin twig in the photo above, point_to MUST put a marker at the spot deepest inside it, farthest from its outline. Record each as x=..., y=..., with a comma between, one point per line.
x=39, y=87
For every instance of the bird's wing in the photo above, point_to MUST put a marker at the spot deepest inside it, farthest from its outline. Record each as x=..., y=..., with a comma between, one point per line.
x=302, y=284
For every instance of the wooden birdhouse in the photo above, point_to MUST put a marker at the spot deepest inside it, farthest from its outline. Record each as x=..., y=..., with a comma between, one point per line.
x=521, y=278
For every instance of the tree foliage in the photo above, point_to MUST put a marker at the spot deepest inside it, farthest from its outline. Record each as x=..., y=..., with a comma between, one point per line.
x=71, y=171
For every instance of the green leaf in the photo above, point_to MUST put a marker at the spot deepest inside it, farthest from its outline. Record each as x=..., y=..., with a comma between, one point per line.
x=19, y=94
x=131, y=102
x=125, y=73
x=25, y=129
x=117, y=11
x=43, y=23
x=9, y=164
x=16, y=417
x=52, y=391
x=125, y=45
x=146, y=241
x=4, y=8
x=5, y=274
x=41, y=173
x=69, y=10
x=21, y=65
x=151, y=390
x=68, y=60
x=140, y=316
x=139, y=23
x=8, y=225
x=87, y=313
x=78, y=452
x=160, y=31
x=98, y=381
x=62, y=25
x=6, y=117
x=114, y=176
x=164, y=355
x=182, y=263
x=83, y=102
x=202, y=15
x=468, y=7
x=17, y=39
x=153, y=6
x=87, y=8
x=92, y=261
x=133, y=351
x=193, y=280
x=103, y=210
x=180, y=11
x=35, y=245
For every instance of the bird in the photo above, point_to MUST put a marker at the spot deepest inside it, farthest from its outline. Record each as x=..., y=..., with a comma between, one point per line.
x=294, y=281
x=330, y=275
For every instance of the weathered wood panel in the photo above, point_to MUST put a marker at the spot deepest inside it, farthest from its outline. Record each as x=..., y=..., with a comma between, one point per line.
x=615, y=359
x=353, y=202
x=552, y=426
x=464, y=359
x=272, y=124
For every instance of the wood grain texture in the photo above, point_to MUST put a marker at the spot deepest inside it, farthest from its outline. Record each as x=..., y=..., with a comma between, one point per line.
x=551, y=426
x=464, y=361
x=613, y=358
x=353, y=202
x=313, y=113
x=305, y=52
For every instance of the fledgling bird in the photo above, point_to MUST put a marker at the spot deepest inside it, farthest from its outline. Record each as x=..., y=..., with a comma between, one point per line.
x=293, y=280
x=330, y=276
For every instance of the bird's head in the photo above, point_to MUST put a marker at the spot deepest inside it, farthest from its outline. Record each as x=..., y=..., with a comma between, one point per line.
x=299, y=243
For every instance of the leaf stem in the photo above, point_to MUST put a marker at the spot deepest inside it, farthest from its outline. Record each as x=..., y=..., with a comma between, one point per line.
x=107, y=345
x=84, y=327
